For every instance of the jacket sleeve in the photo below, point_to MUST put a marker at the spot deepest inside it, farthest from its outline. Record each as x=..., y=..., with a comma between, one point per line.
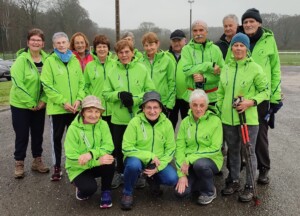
x=105, y=146
x=80, y=94
x=47, y=78
x=129, y=143
x=17, y=75
x=261, y=85
x=169, y=147
x=109, y=94
x=275, y=96
x=180, y=156
x=210, y=77
x=171, y=84
x=148, y=86
x=220, y=95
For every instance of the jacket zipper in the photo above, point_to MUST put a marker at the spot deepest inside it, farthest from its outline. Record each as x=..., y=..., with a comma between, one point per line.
x=69, y=83
x=233, y=88
x=196, y=139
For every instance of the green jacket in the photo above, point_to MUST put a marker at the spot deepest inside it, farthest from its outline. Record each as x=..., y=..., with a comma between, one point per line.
x=26, y=91
x=62, y=83
x=265, y=53
x=133, y=78
x=241, y=78
x=145, y=142
x=201, y=139
x=95, y=74
x=83, y=138
x=181, y=86
x=162, y=72
x=196, y=59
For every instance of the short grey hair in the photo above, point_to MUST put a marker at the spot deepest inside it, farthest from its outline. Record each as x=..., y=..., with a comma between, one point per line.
x=128, y=34
x=233, y=17
x=200, y=22
x=59, y=35
x=197, y=94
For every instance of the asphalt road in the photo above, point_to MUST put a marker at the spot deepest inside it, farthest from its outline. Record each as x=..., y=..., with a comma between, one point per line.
x=37, y=195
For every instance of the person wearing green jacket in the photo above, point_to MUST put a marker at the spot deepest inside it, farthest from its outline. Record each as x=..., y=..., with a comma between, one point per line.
x=241, y=77
x=198, y=150
x=124, y=89
x=265, y=53
x=97, y=71
x=129, y=36
x=63, y=84
x=202, y=63
x=28, y=101
x=148, y=147
x=88, y=149
x=178, y=41
x=161, y=69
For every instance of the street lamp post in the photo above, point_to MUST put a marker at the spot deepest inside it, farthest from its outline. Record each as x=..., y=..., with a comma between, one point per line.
x=191, y=2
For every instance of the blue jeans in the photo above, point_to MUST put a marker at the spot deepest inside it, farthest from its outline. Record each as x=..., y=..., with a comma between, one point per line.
x=134, y=167
x=201, y=178
x=232, y=135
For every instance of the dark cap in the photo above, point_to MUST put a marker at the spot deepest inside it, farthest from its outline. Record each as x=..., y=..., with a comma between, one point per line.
x=177, y=34
x=252, y=13
x=151, y=96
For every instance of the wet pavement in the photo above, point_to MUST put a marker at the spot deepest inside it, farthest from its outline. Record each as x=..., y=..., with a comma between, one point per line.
x=37, y=195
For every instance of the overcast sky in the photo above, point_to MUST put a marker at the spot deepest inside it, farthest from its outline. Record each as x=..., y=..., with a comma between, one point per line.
x=173, y=14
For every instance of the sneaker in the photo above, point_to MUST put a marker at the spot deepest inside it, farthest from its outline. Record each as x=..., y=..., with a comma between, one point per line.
x=247, y=194
x=263, y=177
x=117, y=181
x=154, y=187
x=19, y=169
x=126, y=202
x=79, y=196
x=140, y=183
x=204, y=199
x=56, y=176
x=105, y=200
x=231, y=187
x=38, y=165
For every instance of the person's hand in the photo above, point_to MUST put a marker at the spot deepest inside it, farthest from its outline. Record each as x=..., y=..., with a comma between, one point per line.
x=75, y=106
x=126, y=98
x=198, y=78
x=185, y=168
x=217, y=69
x=41, y=105
x=150, y=172
x=243, y=105
x=182, y=184
x=106, y=159
x=68, y=107
x=156, y=161
x=84, y=158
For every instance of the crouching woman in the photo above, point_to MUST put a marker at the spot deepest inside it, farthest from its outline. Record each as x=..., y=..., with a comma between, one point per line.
x=198, y=150
x=88, y=149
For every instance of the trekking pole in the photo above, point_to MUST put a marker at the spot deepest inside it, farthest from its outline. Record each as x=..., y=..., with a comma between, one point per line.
x=247, y=145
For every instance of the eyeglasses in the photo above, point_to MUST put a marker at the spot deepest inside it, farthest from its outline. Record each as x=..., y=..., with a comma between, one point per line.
x=37, y=41
x=155, y=108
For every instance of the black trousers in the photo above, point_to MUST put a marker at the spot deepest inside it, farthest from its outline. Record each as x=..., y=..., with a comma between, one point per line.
x=24, y=122
x=108, y=120
x=86, y=181
x=262, y=142
x=117, y=135
x=180, y=106
x=58, y=125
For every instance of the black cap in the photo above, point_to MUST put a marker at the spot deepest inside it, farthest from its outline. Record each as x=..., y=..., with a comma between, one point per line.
x=252, y=13
x=177, y=34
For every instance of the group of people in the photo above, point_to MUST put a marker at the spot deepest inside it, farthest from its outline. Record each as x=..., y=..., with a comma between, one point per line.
x=120, y=111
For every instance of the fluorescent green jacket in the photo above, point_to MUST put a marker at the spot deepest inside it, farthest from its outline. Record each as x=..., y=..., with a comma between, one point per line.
x=145, y=142
x=241, y=78
x=133, y=78
x=62, y=83
x=95, y=74
x=201, y=139
x=181, y=86
x=265, y=53
x=199, y=59
x=83, y=138
x=26, y=91
x=162, y=72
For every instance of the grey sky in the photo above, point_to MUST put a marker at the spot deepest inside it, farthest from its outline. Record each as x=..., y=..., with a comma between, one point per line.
x=173, y=14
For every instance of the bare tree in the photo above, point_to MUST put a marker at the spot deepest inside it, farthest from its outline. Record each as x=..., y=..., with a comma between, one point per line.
x=148, y=27
x=31, y=9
